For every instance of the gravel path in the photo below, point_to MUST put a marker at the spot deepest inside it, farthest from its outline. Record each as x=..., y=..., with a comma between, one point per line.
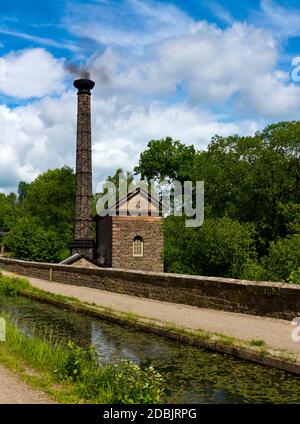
x=275, y=332
x=13, y=391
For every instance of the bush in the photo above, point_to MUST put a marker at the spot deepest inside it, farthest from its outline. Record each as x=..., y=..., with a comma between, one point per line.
x=78, y=360
x=294, y=277
x=253, y=271
x=29, y=240
x=283, y=258
x=220, y=247
x=124, y=382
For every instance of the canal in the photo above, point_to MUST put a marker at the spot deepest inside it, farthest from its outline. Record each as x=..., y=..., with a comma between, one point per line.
x=191, y=374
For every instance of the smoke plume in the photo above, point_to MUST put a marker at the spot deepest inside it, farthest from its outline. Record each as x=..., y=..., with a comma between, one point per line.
x=78, y=70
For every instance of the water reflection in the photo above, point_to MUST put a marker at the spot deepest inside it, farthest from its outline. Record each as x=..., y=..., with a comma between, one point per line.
x=191, y=375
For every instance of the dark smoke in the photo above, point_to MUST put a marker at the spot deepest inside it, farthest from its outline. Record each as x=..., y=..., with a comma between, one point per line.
x=79, y=71
x=99, y=72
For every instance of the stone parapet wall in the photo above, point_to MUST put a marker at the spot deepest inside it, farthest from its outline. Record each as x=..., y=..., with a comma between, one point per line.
x=276, y=300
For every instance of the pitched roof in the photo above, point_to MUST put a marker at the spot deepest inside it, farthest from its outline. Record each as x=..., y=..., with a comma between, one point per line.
x=135, y=192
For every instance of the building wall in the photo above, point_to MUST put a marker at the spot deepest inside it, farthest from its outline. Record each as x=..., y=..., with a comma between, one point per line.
x=276, y=300
x=124, y=230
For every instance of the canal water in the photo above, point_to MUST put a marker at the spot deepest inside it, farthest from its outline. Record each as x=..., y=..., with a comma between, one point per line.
x=191, y=374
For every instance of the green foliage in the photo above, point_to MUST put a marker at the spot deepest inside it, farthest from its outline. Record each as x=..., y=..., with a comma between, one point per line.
x=257, y=343
x=283, y=258
x=124, y=382
x=253, y=270
x=220, y=247
x=22, y=191
x=289, y=218
x=37, y=352
x=29, y=240
x=41, y=221
x=51, y=199
x=77, y=361
x=250, y=180
x=8, y=211
x=133, y=384
x=166, y=159
x=294, y=277
x=11, y=286
x=121, y=383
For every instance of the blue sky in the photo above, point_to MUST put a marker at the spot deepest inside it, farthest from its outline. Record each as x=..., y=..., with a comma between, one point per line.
x=186, y=69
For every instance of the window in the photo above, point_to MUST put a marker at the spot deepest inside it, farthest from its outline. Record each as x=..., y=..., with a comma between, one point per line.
x=138, y=246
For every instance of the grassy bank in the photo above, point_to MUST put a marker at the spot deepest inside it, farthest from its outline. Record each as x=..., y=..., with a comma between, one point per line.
x=71, y=374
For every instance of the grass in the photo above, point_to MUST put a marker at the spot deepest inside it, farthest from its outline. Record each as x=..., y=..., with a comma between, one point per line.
x=257, y=343
x=11, y=286
x=71, y=374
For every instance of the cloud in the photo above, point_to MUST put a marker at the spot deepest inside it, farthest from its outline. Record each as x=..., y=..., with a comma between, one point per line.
x=128, y=23
x=220, y=12
x=40, y=40
x=14, y=145
x=39, y=136
x=31, y=73
x=283, y=21
x=234, y=68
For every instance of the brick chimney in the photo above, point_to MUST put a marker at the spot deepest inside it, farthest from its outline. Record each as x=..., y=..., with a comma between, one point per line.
x=83, y=230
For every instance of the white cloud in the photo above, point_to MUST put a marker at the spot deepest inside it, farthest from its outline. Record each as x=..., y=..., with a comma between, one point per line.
x=214, y=67
x=31, y=73
x=129, y=23
x=283, y=21
x=14, y=146
x=122, y=134
x=220, y=12
x=39, y=136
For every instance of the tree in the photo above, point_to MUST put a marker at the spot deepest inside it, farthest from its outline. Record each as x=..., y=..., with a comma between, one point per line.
x=8, y=211
x=22, y=191
x=43, y=227
x=250, y=179
x=220, y=247
x=283, y=258
x=51, y=199
x=29, y=240
x=166, y=159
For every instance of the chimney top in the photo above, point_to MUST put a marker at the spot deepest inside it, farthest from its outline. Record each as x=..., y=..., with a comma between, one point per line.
x=84, y=85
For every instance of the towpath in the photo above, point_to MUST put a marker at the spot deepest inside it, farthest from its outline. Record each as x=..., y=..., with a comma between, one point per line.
x=15, y=391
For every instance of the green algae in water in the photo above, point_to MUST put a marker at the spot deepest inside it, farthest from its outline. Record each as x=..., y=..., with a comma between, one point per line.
x=191, y=375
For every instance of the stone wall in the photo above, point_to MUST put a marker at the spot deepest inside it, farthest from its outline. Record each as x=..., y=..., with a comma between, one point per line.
x=124, y=230
x=277, y=300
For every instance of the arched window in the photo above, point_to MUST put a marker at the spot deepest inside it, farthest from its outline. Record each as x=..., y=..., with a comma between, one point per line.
x=138, y=247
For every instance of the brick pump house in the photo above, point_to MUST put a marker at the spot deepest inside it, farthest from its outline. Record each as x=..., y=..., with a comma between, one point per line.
x=133, y=237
